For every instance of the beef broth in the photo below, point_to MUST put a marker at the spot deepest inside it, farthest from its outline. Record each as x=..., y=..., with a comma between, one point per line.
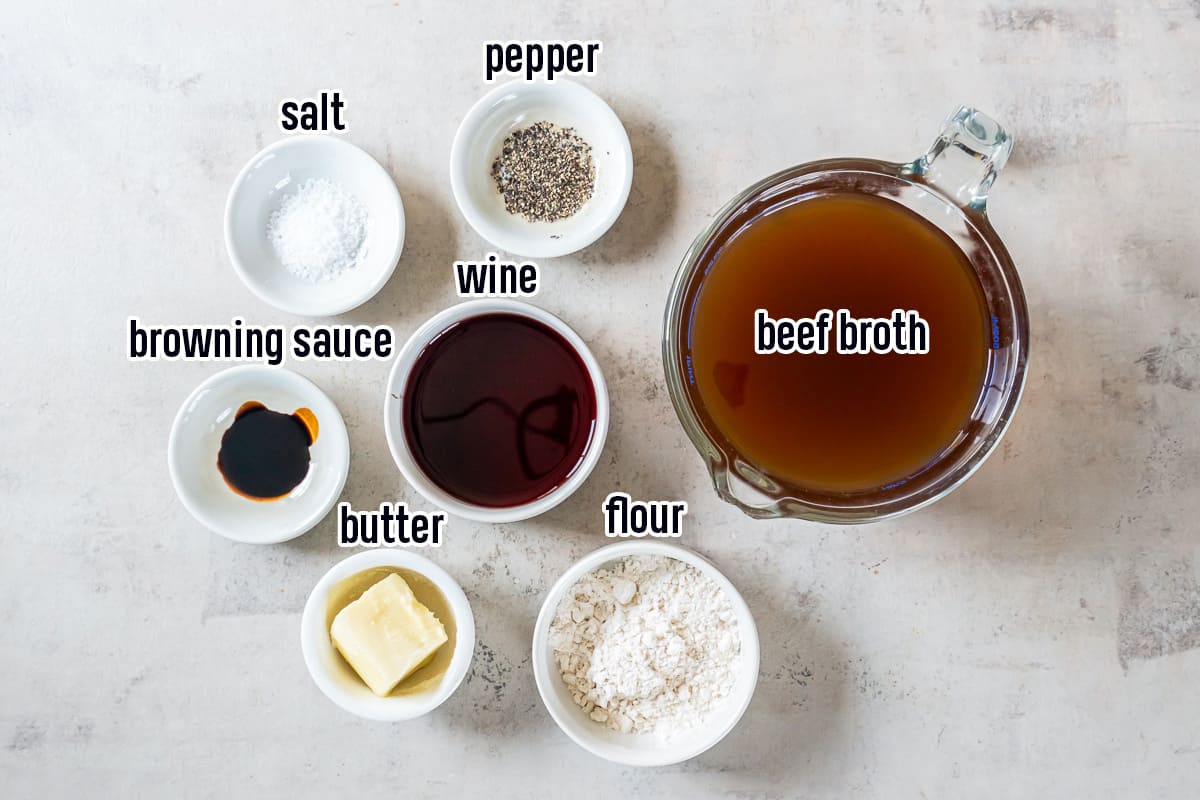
x=836, y=422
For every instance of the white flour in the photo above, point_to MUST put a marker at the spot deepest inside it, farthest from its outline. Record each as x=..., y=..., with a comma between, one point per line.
x=650, y=644
x=319, y=231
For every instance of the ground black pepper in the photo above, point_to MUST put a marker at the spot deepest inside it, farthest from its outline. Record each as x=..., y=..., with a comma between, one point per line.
x=544, y=173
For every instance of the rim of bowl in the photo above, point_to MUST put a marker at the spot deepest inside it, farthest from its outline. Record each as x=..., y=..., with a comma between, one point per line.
x=747, y=631
x=553, y=248
x=315, y=638
x=338, y=430
x=352, y=151
x=393, y=408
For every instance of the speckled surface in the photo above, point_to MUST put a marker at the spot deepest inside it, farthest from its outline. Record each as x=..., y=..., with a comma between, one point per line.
x=1037, y=634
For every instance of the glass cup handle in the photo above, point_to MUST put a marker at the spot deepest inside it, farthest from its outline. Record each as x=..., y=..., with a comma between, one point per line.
x=965, y=158
x=757, y=502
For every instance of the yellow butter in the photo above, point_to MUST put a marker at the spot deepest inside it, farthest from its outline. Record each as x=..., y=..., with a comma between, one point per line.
x=387, y=634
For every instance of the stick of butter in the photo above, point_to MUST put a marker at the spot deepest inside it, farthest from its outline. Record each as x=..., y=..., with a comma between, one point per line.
x=387, y=634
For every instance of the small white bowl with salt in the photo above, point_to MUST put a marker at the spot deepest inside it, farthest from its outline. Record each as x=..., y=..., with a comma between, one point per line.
x=652, y=637
x=314, y=225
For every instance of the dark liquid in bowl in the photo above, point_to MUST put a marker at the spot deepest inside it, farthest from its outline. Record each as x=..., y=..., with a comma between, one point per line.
x=833, y=422
x=499, y=410
x=264, y=454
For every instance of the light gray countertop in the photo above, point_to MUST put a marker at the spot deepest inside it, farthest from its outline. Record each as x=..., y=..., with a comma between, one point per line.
x=1036, y=634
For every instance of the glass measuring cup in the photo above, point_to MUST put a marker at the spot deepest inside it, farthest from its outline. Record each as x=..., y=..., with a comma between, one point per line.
x=948, y=188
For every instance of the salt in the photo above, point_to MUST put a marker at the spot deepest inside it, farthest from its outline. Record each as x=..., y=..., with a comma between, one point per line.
x=319, y=231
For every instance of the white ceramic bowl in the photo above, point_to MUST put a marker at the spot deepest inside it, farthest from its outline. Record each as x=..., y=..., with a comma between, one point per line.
x=276, y=172
x=518, y=105
x=196, y=439
x=646, y=749
x=338, y=680
x=393, y=409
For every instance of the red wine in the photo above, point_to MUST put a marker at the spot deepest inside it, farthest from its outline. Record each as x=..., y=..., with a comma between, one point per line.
x=499, y=410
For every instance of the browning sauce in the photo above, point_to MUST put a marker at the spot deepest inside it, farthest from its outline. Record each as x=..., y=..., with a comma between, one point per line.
x=838, y=423
x=265, y=454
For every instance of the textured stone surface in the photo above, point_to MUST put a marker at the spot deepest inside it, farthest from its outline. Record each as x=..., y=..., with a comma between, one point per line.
x=1037, y=634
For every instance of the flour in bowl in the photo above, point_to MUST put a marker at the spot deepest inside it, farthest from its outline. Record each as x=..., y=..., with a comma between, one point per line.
x=648, y=644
